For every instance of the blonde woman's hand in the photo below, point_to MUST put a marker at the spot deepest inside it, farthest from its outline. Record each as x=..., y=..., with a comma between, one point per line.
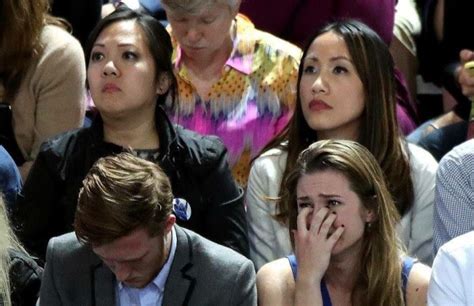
x=315, y=239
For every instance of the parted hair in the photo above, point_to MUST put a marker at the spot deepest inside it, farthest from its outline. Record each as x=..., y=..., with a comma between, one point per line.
x=21, y=23
x=157, y=39
x=120, y=194
x=196, y=6
x=380, y=276
x=379, y=131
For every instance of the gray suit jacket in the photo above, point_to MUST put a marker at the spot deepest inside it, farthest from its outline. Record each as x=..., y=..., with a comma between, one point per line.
x=202, y=273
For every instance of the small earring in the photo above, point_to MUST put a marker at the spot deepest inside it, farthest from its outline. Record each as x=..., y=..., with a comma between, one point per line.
x=369, y=225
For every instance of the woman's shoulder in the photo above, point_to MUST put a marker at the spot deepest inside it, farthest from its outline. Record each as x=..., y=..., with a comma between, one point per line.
x=207, y=149
x=417, y=285
x=274, y=154
x=65, y=147
x=272, y=161
x=53, y=36
x=59, y=46
x=275, y=282
x=419, y=157
x=68, y=139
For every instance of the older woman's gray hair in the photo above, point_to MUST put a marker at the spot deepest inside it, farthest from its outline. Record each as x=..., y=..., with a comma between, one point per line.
x=196, y=6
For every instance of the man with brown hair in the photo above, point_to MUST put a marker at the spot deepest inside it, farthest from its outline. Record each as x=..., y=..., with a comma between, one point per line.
x=129, y=251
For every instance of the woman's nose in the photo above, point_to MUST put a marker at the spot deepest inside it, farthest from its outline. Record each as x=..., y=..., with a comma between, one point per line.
x=319, y=85
x=110, y=69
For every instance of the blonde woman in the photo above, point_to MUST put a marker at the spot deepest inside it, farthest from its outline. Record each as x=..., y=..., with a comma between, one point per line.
x=20, y=276
x=343, y=218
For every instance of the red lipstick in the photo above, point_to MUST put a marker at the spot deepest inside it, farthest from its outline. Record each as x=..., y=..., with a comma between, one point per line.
x=318, y=105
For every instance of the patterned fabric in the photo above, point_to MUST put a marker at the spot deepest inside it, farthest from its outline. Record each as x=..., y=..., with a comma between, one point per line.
x=454, y=198
x=252, y=100
x=151, y=155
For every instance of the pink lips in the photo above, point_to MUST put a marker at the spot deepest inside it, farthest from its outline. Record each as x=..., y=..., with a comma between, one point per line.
x=318, y=105
x=110, y=88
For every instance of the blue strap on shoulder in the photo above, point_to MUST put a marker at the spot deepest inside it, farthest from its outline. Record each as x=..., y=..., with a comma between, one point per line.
x=293, y=265
x=407, y=264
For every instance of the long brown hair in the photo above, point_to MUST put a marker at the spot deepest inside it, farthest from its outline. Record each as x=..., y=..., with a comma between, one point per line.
x=21, y=23
x=380, y=277
x=379, y=130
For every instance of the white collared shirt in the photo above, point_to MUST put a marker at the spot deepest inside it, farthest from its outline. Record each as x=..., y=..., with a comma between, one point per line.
x=151, y=294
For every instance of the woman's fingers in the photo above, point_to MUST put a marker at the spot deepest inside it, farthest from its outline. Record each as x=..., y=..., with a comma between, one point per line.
x=327, y=224
x=318, y=219
x=334, y=237
x=301, y=219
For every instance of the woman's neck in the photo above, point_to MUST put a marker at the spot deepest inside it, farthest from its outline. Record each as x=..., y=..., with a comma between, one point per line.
x=350, y=132
x=343, y=274
x=131, y=134
x=344, y=269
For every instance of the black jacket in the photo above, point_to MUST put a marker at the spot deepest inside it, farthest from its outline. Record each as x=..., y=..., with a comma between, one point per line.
x=196, y=165
x=25, y=279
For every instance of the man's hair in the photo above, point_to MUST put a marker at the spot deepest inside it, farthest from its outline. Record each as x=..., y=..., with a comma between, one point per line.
x=120, y=194
x=196, y=6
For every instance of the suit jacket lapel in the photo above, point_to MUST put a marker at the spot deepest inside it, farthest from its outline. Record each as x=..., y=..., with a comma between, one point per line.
x=182, y=277
x=103, y=285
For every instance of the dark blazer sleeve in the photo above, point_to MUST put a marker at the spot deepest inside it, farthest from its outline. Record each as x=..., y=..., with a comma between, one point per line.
x=34, y=214
x=224, y=220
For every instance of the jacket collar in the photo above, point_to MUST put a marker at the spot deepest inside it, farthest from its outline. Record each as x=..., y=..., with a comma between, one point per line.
x=103, y=284
x=182, y=278
x=166, y=131
x=179, y=286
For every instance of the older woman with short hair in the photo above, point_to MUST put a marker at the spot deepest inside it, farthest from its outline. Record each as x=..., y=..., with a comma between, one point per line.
x=234, y=81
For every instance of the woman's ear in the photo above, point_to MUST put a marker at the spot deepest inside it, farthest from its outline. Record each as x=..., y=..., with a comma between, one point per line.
x=370, y=216
x=164, y=82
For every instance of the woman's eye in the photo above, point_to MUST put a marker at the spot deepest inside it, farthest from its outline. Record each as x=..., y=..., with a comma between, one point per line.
x=340, y=70
x=309, y=69
x=96, y=56
x=304, y=205
x=332, y=203
x=128, y=55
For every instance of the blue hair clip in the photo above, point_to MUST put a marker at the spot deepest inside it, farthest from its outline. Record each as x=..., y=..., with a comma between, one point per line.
x=182, y=209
